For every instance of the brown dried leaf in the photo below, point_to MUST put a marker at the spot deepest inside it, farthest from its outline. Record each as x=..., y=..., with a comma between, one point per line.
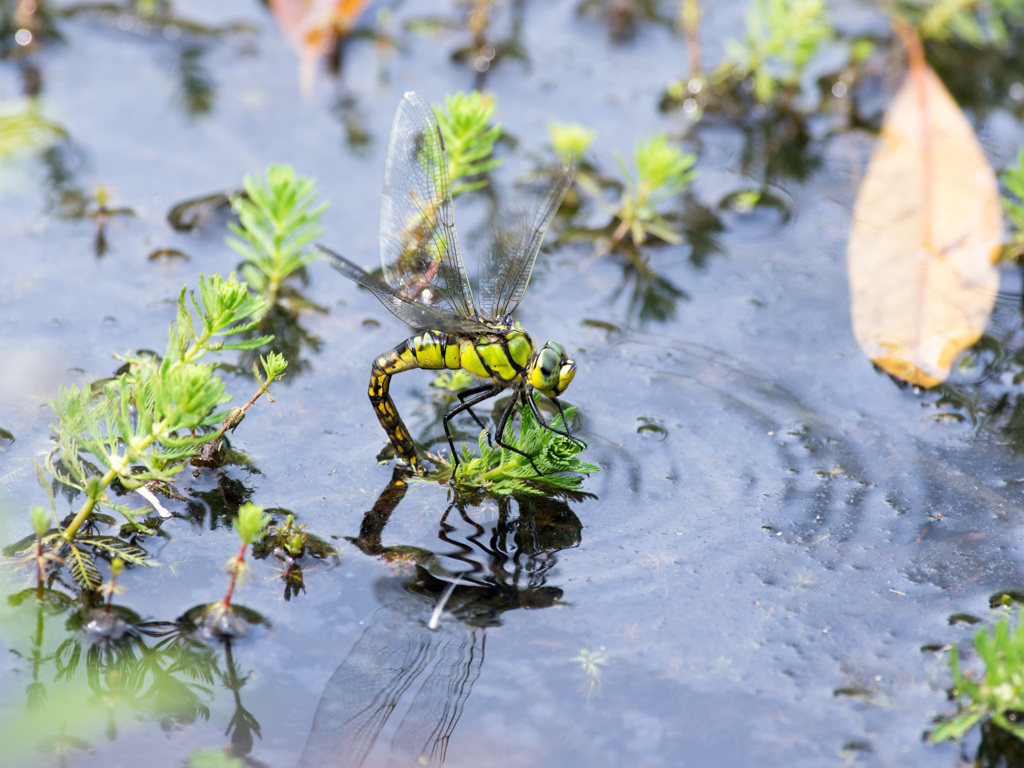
x=927, y=228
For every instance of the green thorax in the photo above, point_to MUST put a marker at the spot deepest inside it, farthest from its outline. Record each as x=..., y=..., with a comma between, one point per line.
x=502, y=357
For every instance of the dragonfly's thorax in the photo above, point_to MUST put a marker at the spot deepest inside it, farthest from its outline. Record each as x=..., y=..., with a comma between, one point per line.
x=502, y=356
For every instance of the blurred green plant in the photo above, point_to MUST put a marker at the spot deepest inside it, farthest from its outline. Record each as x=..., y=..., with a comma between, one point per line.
x=979, y=23
x=570, y=140
x=662, y=172
x=453, y=381
x=550, y=464
x=999, y=696
x=22, y=127
x=1013, y=205
x=277, y=223
x=468, y=138
x=782, y=36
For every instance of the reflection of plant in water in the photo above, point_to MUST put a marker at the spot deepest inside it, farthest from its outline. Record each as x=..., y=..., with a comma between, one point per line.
x=23, y=127
x=999, y=696
x=622, y=16
x=591, y=662
x=88, y=663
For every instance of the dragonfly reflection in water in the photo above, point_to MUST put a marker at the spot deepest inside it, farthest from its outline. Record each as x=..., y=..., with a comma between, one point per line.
x=484, y=571
x=426, y=285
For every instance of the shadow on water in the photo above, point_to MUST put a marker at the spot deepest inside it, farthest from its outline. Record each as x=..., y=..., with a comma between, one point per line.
x=429, y=635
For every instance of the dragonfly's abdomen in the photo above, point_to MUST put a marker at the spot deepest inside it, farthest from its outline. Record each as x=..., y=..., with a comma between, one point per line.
x=500, y=357
x=430, y=349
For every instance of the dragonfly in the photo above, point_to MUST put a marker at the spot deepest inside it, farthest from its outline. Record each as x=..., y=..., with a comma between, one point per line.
x=425, y=284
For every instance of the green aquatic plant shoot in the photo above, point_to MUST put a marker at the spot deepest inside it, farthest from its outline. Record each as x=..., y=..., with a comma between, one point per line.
x=140, y=428
x=979, y=23
x=1013, y=206
x=278, y=221
x=999, y=695
x=662, y=172
x=782, y=37
x=543, y=462
x=570, y=140
x=251, y=524
x=468, y=138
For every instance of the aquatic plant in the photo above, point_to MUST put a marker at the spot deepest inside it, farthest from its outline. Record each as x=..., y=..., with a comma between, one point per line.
x=277, y=223
x=250, y=524
x=979, y=23
x=782, y=36
x=662, y=172
x=468, y=138
x=1013, y=206
x=570, y=140
x=998, y=697
x=549, y=466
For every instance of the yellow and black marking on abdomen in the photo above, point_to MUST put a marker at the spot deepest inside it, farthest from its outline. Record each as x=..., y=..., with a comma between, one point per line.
x=500, y=357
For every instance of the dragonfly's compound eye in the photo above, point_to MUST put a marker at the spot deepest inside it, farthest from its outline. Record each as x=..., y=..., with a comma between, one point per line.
x=553, y=370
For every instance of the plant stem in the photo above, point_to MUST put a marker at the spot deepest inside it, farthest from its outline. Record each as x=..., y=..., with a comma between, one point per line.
x=83, y=514
x=234, y=576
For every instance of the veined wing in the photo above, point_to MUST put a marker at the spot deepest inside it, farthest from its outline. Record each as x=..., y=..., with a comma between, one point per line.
x=508, y=262
x=419, y=316
x=419, y=249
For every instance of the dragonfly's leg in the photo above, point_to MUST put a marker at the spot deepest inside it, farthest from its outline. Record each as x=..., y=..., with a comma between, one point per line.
x=501, y=433
x=474, y=396
x=384, y=367
x=469, y=393
x=546, y=425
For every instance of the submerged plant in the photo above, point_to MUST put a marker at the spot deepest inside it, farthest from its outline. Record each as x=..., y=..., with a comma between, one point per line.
x=468, y=138
x=550, y=463
x=277, y=223
x=999, y=696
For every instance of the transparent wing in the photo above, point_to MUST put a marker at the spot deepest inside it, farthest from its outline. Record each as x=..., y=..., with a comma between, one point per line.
x=417, y=315
x=419, y=249
x=515, y=243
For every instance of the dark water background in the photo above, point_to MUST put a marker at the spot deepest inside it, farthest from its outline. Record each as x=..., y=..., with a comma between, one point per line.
x=779, y=539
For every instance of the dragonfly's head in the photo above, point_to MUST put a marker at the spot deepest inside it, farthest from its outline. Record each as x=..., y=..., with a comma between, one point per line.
x=552, y=370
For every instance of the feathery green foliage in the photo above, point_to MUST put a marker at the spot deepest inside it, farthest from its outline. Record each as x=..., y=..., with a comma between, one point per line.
x=502, y=472
x=976, y=22
x=277, y=223
x=570, y=140
x=1013, y=205
x=662, y=172
x=1000, y=693
x=468, y=138
x=782, y=37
